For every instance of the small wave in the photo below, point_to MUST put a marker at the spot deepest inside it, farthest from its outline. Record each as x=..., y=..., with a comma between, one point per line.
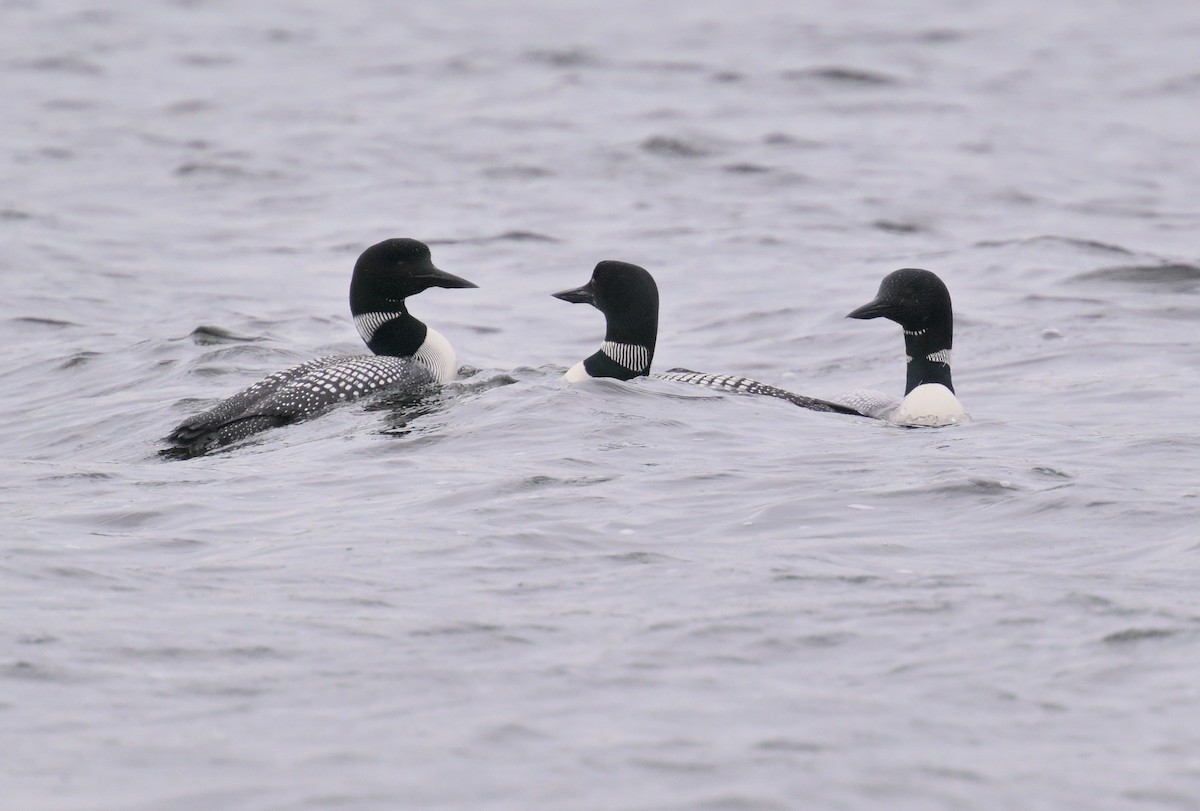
x=386, y=69
x=670, y=147
x=564, y=58
x=504, y=236
x=256, y=652
x=71, y=105
x=189, y=106
x=458, y=629
x=63, y=64
x=466, y=385
x=1040, y=298
x=1090, y=245
x=207, y=60
x=200, y=169
x=30, y=671
x=746, y=169
x=851, y=579
x=896, y=227
x=209, y=335
x=517, y=172
x=940, y=35
x=974, y=486
x=124, y=520
x=1170, y=277
x=84, y=475
x=842, y=76
x=1052, y=472
x=43, y=322
x=788, y=745
x=1182, y=84
x=522, y=236
x=640, y=558
x=669, y=66
x=537, y=482
x=1139, y=635
x=786, y=139
x=77, y=359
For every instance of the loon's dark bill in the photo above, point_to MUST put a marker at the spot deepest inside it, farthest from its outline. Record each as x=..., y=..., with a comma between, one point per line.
x=872, y=309
x=436, y=277
x=578, y=295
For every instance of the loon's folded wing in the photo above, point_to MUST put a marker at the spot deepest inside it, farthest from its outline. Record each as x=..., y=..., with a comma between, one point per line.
x=869, y=403
x=235, y=406
x=348, y=379
x=296, y=393
x=744, y=385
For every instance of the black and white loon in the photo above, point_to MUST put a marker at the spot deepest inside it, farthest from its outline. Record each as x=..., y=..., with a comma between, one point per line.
x=408, y=354
x=919, y=302
x=628, y=297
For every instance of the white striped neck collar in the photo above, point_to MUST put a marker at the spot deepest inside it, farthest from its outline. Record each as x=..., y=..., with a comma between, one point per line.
x=941, y=356
x=633, y=357
x=368, y=324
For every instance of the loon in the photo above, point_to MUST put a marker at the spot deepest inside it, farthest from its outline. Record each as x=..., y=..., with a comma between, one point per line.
x=408, y=354
x=628, y=297
x=919, y=302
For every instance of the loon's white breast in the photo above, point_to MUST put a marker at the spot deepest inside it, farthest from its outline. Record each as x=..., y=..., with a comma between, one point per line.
x=930, y=404
x=577, y=374
x=437, y=354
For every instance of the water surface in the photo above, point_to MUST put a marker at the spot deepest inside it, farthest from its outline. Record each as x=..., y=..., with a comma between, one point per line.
x=611, y=596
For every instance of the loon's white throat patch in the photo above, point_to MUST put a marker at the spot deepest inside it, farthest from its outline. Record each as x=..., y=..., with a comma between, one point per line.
x=368, y=324
x=633, y=357
x=941, y=356
x=438, y=355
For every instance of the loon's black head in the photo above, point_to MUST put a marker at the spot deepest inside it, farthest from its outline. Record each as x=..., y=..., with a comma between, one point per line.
x=385, y=275
x=390, y=271
x=913, y=298
x=628, y=297
x=919, y=302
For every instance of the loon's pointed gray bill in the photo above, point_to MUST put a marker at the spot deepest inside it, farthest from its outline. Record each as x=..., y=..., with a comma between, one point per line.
x=436, y=277
x=578, y=295
x=872, y=309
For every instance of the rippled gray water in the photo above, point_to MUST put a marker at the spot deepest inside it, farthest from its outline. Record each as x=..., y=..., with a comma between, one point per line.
x=612, y=596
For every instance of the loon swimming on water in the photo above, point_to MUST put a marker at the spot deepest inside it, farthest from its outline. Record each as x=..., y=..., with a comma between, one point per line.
x=919, y=302
x=628, y=297
x=408, y=354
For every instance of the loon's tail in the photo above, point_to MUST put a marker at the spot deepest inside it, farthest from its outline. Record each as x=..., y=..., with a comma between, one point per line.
x=744, y=385
x=198, y=436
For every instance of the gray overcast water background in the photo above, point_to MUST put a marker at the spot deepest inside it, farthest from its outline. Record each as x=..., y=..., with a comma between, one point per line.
x=524, y=595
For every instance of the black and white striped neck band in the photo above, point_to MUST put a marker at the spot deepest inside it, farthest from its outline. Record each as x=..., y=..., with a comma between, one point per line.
x=631, y=356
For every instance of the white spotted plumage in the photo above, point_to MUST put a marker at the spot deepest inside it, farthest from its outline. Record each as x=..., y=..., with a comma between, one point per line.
x=311, y=387
x=869, y=403
x=299, y=392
